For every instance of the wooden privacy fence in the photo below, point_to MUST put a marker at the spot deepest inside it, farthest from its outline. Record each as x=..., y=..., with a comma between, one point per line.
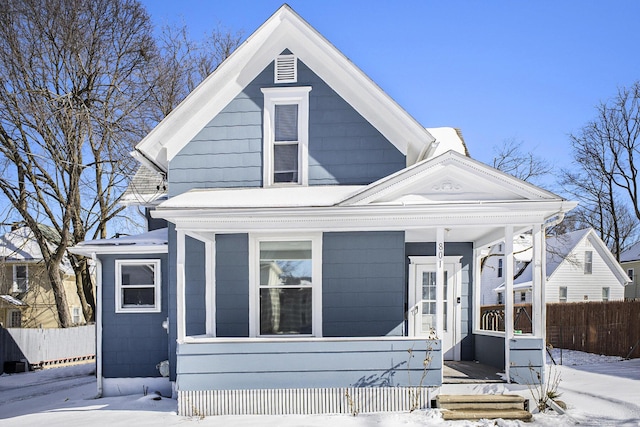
x=46, y=347
x=610, y=328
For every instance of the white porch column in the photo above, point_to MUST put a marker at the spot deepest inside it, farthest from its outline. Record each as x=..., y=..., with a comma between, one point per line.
x=180, y=286
x=440, y=281
x=210, y=288
x=508, y=296
x=537, y=279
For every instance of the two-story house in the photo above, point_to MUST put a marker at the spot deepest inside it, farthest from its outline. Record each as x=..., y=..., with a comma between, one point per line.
x=321, y=244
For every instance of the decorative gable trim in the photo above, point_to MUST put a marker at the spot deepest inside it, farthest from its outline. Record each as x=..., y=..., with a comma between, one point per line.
x=285, y=30
x=397, y=184
x=286, y=69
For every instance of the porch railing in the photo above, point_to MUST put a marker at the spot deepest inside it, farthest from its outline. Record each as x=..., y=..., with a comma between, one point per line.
x=492, y=318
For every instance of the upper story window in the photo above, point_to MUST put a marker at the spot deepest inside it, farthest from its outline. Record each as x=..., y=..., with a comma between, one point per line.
x=138, y=286
x=20, y=278
x=588, y=262
x=286, y=135
x=631, y=275
x=500, y=267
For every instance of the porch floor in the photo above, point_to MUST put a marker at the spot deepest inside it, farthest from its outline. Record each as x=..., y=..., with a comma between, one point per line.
x=469, y=372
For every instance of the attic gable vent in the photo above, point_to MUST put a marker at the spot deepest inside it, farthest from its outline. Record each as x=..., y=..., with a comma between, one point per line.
x=286, y=69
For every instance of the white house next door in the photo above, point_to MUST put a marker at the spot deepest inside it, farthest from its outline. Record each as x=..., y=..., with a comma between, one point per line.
x=426, y=301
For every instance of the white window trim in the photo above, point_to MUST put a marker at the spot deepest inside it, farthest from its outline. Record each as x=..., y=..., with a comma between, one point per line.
x=286, y=95
x=588, y=263
x=157, y=308
x=566, y=295
x=254, y=281
x=15, y=287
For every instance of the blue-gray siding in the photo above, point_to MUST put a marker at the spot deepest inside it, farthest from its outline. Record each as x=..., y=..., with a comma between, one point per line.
x=466, y=298
x=526, y=360
x=363, y=284
x=232, y=285
x=132, y=343
x=194, y=290
x=308, y=364
x=343, y=147
x=489, y=350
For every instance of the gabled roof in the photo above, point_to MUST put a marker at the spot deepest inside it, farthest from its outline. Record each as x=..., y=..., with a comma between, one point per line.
x=559, y=250
x=146, y=188
x=20, y=246
x=285, y=29
x=446, y=178
x=631, y=254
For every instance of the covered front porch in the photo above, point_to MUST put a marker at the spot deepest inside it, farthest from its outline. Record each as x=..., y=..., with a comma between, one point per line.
x=304, y=293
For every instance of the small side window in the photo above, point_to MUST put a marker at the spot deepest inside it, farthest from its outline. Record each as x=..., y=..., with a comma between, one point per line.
x=605, y=293
x=500, y=267
x=138, y=286
x=588, y=262
x=563, y=294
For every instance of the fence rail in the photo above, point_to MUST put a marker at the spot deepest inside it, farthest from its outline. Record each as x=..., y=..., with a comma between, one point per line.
x=609, y=328
x=47, y=346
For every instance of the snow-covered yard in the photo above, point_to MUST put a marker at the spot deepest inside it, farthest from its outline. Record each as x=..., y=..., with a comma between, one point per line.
x=599, y=391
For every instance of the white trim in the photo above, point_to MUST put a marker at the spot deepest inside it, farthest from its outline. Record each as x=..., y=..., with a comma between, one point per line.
x=508, y=298
x=254, y=280
x=286, y=95
x=14, y=285
x=181, y=309
x=448, y=260
x=284, y=30
x=157, y=286
x=537, y=297
x=99, y=305
x=88, y=250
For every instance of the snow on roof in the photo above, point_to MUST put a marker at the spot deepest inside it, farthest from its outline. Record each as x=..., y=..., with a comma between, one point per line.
x=13, y=301
x=20, y=245
x=516, y=286
x=631, y=254
x=273, y=197
x=155, y=237
x=448, y=139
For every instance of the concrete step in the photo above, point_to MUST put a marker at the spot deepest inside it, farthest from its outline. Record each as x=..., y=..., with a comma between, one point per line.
x=489, y=414
x=481, y=401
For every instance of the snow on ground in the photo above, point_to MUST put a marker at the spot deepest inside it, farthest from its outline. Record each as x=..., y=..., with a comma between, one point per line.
x=598, y=390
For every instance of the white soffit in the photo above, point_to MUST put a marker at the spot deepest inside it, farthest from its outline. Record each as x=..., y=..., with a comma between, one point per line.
x=450, y=177
x=284, y=30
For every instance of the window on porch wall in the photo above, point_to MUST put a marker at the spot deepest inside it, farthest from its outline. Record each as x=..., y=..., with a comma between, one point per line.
x=285, y=288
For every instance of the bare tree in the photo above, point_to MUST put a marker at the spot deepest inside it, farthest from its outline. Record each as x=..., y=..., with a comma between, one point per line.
x=71, y=88
x=527, y=166
x=605, y=179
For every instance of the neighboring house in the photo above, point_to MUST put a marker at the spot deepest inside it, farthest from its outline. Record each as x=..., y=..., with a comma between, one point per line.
x=320, y=241
x=630, y=261
x=579, y=266
x=27, y=297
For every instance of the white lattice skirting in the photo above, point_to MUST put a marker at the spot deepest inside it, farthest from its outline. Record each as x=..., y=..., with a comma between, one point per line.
x=302, y=401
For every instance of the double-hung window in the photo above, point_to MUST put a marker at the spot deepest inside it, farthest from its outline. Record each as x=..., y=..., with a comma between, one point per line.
x=20, y=278
x=588, y=262
x=138, y=286
x=285, y=292
x=286, y=135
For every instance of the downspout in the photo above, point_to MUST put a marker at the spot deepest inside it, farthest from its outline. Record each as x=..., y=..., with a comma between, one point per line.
x=98, y=322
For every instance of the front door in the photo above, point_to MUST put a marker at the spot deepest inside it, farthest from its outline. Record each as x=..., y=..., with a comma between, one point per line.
x=427, y=301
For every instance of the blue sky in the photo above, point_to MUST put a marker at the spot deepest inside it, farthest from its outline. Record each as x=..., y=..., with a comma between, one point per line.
x=531, y=71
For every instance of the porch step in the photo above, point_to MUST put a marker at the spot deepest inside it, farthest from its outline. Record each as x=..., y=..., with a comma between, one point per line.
x=483, y=406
